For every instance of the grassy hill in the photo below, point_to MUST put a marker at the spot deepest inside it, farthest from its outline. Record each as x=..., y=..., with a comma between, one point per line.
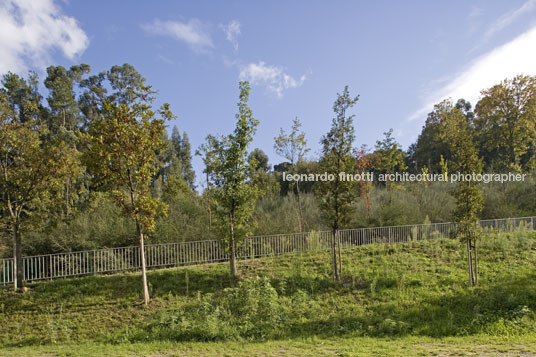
x=394, y=299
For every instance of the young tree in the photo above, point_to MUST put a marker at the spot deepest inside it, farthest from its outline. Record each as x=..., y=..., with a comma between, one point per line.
x=458, y=136
x=233, y=177
x=336, y=196
x=32, y=169
x=293, y=148
x=121, y=151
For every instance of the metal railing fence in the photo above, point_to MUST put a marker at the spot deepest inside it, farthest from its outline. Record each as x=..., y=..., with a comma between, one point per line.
x=52, y=266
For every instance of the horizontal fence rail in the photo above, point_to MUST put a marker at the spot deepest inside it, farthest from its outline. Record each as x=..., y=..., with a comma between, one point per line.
x=52, y=266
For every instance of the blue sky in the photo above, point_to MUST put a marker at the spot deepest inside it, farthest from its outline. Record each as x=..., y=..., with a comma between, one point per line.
x=400, y=57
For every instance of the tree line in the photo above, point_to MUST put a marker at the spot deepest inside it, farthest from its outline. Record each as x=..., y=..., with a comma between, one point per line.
x=95, y=148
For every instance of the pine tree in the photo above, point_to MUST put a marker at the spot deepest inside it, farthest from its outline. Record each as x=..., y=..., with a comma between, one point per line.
x=183, y=152
x=185, y=157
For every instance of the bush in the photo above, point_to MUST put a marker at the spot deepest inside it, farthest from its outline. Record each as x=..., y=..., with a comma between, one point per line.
x=252, y=310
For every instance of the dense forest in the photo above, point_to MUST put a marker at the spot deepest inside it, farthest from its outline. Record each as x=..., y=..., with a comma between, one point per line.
x=64, y=154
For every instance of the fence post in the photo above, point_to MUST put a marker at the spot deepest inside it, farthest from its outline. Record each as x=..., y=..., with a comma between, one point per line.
x=94, y=262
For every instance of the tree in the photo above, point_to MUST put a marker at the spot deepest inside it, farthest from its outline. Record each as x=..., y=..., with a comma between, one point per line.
x=457, y=134
x=233, y=177
x=365, y=161
x=183, y=153
x=32, y=169
x=125, y=84
x=162, y=162
x=506, y=123
x=466, y=108
x=261, y=159
x=128, y=85
x=64, y=120
x=429, y=146
x=336, y=196
x=174, y=185
x=121, y=151
x=293, y=148
x=185, y=157
x=266, y=182
x=206, y=152
x=64, y=109
x=390, y=158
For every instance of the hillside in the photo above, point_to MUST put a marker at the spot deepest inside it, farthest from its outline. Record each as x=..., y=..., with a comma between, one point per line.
x=395, y=299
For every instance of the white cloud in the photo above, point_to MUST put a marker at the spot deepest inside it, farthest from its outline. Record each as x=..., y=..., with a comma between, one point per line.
x=29, y=30
x=506, y=61
x=194, y=33
x=274, y=78
x=232, y=31
x=165, y=59
x=508, y=18
x=475, y=12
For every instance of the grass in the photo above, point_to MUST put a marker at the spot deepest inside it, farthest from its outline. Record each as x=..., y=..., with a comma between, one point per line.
x=342, y=346
x=405, y=299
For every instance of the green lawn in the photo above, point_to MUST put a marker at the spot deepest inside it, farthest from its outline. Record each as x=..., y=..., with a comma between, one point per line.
x=344, y=346
x=407, y=299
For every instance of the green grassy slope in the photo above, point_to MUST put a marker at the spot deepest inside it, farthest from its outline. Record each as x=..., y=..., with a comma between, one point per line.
x=394, y=298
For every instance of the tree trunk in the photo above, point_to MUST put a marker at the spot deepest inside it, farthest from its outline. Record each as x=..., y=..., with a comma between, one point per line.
x=300, y=215
x=67, y=196
x=208, y=205
x=232, y=251
x=475, y=268
x=340, y=257
x=470, y=263
x=143, y=265
x=334, y=254
x=18, y=278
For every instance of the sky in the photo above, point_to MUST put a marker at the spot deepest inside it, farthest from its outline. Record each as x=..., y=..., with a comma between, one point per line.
x=401, y=58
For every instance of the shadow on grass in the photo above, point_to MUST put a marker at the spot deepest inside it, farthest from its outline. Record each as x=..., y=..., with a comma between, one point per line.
x=106, y=290
x=499, y=308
